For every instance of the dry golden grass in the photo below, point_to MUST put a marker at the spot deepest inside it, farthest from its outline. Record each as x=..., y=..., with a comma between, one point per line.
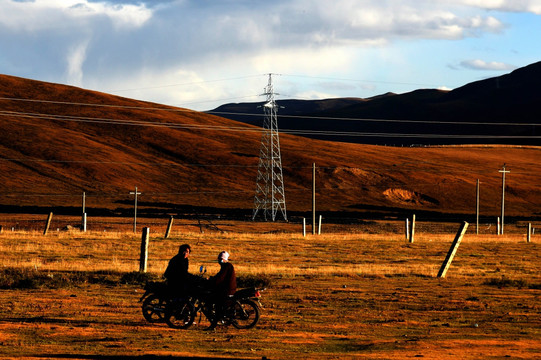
x=285, y=255
x=331, y=296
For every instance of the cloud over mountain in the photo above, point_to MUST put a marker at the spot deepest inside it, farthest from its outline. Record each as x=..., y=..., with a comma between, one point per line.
x=116, y=44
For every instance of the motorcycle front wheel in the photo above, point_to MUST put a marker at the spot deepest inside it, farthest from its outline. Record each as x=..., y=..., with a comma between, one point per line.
x=245, y=314
x=180, y=314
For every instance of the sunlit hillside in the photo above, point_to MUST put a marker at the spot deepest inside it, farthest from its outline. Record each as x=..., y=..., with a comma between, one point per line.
x=60, y=141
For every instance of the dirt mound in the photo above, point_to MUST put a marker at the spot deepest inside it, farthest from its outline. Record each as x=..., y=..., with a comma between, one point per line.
x=406, y=197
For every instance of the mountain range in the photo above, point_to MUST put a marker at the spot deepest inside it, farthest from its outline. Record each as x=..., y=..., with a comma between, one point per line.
x=499, y=110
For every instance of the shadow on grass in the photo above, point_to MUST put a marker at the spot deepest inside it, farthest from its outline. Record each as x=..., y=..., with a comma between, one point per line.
x=51, y=320
x=123, y=357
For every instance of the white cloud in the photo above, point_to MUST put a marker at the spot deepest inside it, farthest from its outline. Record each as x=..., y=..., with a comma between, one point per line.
x=302, y=60
x=36, y=16
x=531, y=6
x=314, y=95
x=75, y=60
x=174, y=86
x=363, y=21
x=123, y=44
x=122, y=16
x=484, y=65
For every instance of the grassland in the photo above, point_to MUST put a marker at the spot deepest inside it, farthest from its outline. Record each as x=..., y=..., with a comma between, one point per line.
x=334, y=296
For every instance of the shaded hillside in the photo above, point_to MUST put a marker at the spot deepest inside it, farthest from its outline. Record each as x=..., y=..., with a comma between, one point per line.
x=500, y=110
x=60, y=141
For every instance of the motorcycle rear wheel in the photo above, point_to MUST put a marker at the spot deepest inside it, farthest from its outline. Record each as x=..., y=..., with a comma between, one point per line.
x=154, y=309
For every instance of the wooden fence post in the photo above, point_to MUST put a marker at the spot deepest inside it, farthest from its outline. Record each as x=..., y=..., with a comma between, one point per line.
x=529, y=237
x=452, y=250
x=412, y=232
x=169, y=226
x=144, y=250
x=304, y=227
x=319, y=225
x=407, y=229
x=83, y=227
x=48, y=223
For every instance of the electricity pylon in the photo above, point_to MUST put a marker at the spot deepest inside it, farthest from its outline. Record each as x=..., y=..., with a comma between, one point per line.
x=269, y=192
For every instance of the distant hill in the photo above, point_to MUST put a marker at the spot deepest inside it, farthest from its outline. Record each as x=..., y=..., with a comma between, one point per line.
x=500, y=110
x=60, y=141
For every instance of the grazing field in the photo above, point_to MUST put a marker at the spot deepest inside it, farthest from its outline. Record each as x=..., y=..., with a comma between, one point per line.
x=330, y=296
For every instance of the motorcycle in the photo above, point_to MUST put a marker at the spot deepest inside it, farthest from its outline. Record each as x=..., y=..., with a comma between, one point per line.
x=242, y=310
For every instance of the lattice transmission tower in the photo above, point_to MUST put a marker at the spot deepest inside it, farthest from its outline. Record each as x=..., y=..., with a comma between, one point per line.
x=269, y=192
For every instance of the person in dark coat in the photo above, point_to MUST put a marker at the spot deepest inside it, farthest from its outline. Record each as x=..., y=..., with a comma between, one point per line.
x=176, y=274
x=225, y=281
x=223, y=284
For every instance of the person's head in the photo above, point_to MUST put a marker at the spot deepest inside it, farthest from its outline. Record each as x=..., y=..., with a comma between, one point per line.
x=223, y=257
x=185, y=250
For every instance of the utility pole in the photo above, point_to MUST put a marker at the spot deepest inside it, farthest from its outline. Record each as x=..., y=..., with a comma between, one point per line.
x=135, y=209
x=83, y=219
x=477, y=210
x=503, y=171
x=313, y=198
x=269, y=193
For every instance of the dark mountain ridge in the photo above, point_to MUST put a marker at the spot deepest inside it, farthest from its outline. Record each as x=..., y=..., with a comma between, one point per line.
x=499, y=110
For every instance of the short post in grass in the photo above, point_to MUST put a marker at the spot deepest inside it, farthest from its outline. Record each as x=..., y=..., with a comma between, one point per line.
x=319, y=225
x=48, y=223
x=144, y=250
x=407, y=229
x=412, y=231
x=304, y=227
x=529, y=237
x=168, y=230
x=452, y=251
x=83, y=225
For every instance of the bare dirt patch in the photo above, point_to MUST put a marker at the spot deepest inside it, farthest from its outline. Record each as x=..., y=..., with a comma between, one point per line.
x=408, y=197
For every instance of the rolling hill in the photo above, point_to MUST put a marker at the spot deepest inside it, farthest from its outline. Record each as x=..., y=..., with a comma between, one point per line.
x=60, y=141
x=500, y=110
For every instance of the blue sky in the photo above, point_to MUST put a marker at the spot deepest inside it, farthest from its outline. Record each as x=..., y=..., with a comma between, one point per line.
x=199, y=54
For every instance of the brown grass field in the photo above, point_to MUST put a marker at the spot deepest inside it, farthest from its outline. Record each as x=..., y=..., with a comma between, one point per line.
x=339, y=295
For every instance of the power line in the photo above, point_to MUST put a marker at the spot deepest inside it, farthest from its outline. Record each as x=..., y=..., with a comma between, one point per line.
x=173, y=109
x=359, y=80
x=381, y=120
x=401, y=167
x=285, y=75
x=125, y=122
x=247, y=128
x=189, y=83
x=216, y=100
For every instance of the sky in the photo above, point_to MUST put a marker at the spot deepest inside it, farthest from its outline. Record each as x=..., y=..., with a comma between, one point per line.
x=199, y=54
